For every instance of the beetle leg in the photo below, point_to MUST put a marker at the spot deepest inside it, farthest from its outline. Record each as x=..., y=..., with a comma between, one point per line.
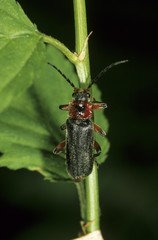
x=64, y=107
x=63, y=126
x=97, y=148
x=99, y=130
x=59, y=148
x=99, y=105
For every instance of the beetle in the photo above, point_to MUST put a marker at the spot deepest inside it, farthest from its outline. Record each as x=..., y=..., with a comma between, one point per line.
x=81, y=147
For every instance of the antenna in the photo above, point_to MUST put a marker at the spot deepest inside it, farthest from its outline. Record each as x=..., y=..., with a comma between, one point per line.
x=62, y=74
x=105, y=70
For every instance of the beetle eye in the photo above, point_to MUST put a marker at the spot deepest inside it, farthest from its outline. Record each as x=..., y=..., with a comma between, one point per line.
x=88, y=95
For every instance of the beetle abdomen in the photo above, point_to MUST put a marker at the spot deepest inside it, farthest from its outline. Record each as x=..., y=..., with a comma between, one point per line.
x=79, y=148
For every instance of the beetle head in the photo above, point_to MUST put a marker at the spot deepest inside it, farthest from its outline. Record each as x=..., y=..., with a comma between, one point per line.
x=81, y=95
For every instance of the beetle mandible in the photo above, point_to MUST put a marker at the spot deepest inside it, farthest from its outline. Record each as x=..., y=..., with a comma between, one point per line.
x=80, y=143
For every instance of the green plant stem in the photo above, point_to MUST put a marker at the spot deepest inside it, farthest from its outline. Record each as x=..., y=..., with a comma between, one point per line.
x=82, y=198
x=91, y=218
x=82, y=67
x=92, y=199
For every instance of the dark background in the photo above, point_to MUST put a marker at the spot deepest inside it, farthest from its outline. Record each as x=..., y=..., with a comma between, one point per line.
x=31, y=208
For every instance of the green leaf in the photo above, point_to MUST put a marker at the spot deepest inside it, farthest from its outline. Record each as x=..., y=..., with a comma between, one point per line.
x=29, y=127
x=21, y=52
